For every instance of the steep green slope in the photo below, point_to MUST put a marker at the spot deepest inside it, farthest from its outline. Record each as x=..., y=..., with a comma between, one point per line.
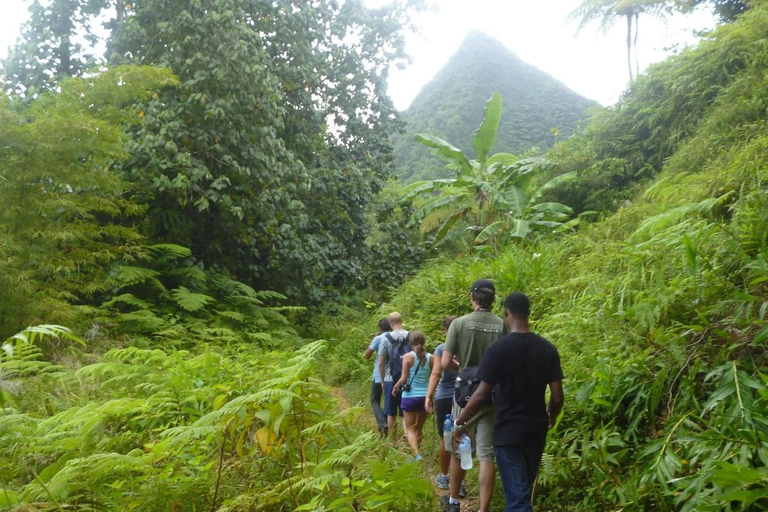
x=660, y=311
x=450, y=106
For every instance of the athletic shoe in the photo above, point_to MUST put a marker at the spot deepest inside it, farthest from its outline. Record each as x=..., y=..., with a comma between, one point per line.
x=463, y=490
x=447, y=506
x=417, y=457
x=442, y=481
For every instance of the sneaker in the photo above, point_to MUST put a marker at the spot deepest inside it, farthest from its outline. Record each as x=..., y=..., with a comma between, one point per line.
x=447, y=506
x=463, y=490
x=442, y=481
x=417, y=457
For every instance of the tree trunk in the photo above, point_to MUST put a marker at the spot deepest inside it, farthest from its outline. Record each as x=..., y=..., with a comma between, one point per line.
x=637, y=28
x=120, y=16
x=629, y=46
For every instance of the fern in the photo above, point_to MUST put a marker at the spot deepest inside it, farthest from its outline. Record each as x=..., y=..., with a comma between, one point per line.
x=190, y=301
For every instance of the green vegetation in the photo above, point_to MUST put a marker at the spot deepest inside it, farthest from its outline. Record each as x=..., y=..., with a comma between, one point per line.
x=152, y=210
x=539, y=110
x=490, y=196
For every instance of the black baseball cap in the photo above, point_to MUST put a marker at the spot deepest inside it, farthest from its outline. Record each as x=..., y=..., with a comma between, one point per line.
x=483, y=283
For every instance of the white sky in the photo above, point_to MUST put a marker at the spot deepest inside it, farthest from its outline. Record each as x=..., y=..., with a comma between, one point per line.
x=591, y=63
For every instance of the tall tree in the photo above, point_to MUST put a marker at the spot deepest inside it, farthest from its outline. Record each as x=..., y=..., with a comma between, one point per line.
x=265, y=158
x=609, y=11
x=56, y=42
x=65, y=217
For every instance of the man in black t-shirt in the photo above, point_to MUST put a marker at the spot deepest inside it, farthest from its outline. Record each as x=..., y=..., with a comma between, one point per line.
x=521, y=365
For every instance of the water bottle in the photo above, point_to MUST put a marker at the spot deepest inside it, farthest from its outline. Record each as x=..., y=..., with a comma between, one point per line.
x=447, y=431
x=465, y=450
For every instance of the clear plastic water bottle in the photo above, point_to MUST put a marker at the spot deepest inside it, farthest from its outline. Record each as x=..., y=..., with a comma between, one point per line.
x=447, y=430
x=465, y=450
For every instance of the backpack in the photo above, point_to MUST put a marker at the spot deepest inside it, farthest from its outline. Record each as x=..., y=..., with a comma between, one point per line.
x=400, y=347
x=466, y=384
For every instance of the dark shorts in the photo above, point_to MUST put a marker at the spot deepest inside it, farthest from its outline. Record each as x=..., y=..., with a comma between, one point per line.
x=391, y=403
x=415, y=404
x=442, y=407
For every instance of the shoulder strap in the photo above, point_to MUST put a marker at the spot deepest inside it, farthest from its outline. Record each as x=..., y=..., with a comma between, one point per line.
x=418, y=365
x=390, y=338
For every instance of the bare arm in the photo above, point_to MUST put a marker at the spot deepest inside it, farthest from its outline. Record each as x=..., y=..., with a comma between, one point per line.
x=476, y=402
x=447, y=361
x=381, y=370
x=434, y=379
x=368, y=353
x=556, y=399
x=408, y=361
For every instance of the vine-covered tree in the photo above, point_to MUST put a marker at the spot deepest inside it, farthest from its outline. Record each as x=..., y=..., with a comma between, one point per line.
x=265, y=158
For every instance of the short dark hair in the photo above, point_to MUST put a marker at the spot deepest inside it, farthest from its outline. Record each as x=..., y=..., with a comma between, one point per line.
x=417, y=338
x=483, y=297
x=447, y=321
x=384, y=325
x=518, y=304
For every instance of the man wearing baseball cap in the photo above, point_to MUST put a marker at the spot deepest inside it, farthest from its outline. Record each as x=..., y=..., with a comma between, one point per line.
x=469, y=337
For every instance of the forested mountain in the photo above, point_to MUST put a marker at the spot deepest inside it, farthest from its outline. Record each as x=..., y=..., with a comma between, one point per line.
x=537, y=108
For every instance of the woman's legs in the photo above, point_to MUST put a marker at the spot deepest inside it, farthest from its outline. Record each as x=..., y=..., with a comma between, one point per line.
x=410, y=419
x=418, y=426
x=445, y=458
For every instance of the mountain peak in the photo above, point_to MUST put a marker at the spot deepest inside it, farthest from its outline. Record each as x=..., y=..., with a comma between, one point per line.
x=450, y=106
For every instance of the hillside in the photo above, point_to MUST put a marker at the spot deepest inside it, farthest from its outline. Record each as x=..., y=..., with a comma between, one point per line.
x=450, y=106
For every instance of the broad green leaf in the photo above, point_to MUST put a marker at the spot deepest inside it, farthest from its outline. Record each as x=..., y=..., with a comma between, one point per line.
x=433, y=205
x=448, y=224
x=420, y=187
x=490, y=231
x=485, y=135
x=445, y=149
x=502, y=159
x=552, y=207
x=551, y=184
x=519, y=228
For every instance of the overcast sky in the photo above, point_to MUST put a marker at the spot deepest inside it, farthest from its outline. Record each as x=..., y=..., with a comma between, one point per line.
x=591, y=63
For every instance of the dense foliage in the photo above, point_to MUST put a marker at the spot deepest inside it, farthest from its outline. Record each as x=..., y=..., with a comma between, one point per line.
x=150, y=209
x=238, y=162
x=659, y=311
x=629, y=143
x=538, y=109
x=222, y=428
x=491, y=196
x=66, y=222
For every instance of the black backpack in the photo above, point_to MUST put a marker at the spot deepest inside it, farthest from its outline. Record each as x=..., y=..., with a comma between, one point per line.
x=400, y=347
x=466, y=385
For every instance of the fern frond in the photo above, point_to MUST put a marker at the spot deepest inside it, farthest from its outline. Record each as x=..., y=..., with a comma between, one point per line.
x=190, y=301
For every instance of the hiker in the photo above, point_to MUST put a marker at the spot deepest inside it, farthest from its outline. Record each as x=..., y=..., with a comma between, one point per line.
x=417, y=365
x=391, y=351
x=469, y=336
x=376, y=392
x=442, y=383
x=521, y=365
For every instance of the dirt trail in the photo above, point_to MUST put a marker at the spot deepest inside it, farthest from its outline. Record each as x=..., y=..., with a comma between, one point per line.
x=468, y=504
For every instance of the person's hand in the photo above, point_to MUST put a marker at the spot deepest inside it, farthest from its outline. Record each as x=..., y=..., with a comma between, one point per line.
x=394, y=390
x=382, y=387
x=457, y=433
x=428, y=405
